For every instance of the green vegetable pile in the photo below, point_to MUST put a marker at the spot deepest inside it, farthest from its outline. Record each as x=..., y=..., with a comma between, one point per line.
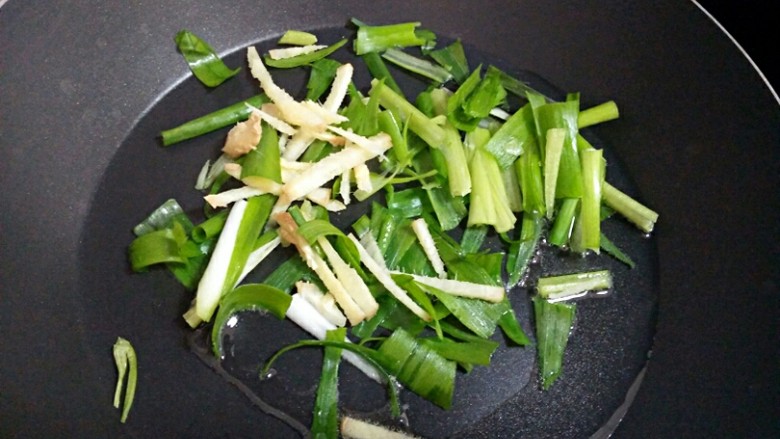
x=477, y=154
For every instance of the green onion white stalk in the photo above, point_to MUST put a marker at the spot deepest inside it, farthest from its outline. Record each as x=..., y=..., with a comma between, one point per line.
x=570, y=286
x=212, y=284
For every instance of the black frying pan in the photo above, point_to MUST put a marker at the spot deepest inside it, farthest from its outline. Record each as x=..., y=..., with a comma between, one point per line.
x=85, y=87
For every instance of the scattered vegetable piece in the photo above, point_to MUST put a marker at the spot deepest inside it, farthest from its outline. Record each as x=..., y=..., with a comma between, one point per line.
x=553, y=326
x=203, y=61
x=126, y=364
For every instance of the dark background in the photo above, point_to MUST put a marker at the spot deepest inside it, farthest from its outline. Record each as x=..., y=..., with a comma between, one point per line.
x=754, y=24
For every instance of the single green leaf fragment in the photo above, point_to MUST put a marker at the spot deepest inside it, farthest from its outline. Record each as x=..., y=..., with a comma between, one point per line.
x=378, y=69
x=473, y=237
x=508, y=142
x=514, y=85
x=422, y=67
x=613, y=250
x=160, y=246
x=476, y=351
x=455, y=104
x=203, y=61
x=487, y=95
x=522, y=251
x=288, y=273
x=511, y=327
x=126, y=364
x=553, y=326
x=298, y=38
x=326, y=414
x=321, y=77
x=453, y=58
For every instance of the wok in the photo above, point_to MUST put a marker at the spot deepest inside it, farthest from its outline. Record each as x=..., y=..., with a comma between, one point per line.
x=84, y=83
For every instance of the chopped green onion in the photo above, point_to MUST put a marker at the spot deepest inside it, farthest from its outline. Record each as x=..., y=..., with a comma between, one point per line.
x=213, y=121
x=163, y=217
x=383, y=276
x=634, y=211
x=598, y=114
x=514, y=85
x=567, y=286
x=553, y=326
x=437, y=74
x=471, y=290
x=593, y=166
x=508, y=142
x=488, y=95
x=203, y=61
x=479, y=316
x=453, y=59
x=489, y=203
x=452, y=148
x=456, y=104
x=289, y=272
x=156, y=247
x=326, y=415
x=472, y=352
x=126, y=364
x=322, y=73
x=298, y=38
x=381, y=38
x=472, y=238
x=564, y=222
x=305, y=315
x=608, y=246
x=529, y=168
x=418, y=122
x=552, y=159
x=562, y=115
x=511, y=327
x=209, y=228
x=522, y=251
x=378, y=69
x=419, y=367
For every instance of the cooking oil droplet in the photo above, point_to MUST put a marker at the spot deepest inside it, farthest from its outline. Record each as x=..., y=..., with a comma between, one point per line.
x=268, y=375
x=403, y=420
